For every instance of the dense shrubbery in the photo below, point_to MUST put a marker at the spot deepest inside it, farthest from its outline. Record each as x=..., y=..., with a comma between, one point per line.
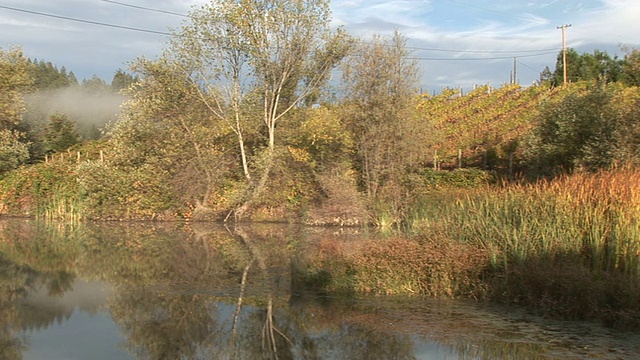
x=590, y=128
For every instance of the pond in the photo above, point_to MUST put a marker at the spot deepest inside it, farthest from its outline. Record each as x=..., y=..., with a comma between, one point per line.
x=176, y=291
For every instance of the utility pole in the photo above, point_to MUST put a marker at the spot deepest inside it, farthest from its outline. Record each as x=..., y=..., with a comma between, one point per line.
x=515, y=71
x=564, y=50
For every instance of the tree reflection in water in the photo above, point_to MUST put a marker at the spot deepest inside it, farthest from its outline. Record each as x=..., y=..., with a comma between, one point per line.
x=210, y=292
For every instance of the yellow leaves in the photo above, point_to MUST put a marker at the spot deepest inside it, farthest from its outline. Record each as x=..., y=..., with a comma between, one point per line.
x=299, y=154
x=324, y=127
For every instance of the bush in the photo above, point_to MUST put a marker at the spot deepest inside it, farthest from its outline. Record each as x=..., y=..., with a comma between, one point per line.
x=110, y=192
x=591, y=130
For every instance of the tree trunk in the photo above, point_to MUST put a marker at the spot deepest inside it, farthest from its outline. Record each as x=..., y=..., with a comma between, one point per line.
x=256, y=189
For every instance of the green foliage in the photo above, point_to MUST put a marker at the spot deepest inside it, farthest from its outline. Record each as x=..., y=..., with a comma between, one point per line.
x=380, y=83
x=631, y=67
x=47, y=76
x=15, y=81
x=95, y=85
x=122, y=80
x=165, y=126
x=13, y=151
x=598, y=66
x=61, y=133
x=319, y=135
x=41, y=190
x=109, y=192
x=588, y=129
x=458, y=178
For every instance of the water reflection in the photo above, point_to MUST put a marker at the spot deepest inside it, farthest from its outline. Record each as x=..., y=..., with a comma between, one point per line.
x=166, y=291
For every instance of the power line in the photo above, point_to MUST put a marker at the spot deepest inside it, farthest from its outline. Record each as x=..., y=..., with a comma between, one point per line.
x=544, y=51
x=480, y=59
x=86, y=21
x=480, y=51
x=529, y=67
x=145, y=8
x=408, y=47
x=182, y=15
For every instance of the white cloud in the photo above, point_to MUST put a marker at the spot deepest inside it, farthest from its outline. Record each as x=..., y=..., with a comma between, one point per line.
x=494, y=26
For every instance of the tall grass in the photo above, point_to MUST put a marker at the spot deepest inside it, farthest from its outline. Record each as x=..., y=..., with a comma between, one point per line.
x=569, y=247
x=60, y=205
x=594, y=217
x=571, y=244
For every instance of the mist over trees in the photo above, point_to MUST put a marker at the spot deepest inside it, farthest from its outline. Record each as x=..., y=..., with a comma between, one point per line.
x=85, y=107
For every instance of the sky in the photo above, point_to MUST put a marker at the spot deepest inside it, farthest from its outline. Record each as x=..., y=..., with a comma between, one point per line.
x=457, y=43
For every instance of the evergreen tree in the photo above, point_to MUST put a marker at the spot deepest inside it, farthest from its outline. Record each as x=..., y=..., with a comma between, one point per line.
x=546, y=76
x=47, y=76
x=95, y=85
x=61, y=133
x=122, y=80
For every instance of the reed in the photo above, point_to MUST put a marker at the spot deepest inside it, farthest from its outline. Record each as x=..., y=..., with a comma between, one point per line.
x=571, y=244
x=592, y=216
x=569, y=247
x=61, y=203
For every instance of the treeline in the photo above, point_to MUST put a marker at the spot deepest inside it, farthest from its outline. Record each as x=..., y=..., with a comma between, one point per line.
x=596, y=66
x=245, y=125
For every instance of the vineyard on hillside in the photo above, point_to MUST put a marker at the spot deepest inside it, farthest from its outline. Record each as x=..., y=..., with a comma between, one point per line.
x=487, y=126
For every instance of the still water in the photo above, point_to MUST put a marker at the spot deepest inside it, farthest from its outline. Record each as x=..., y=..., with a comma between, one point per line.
x=170, y=291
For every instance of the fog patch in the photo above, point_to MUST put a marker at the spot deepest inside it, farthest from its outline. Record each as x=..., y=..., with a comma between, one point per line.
x=91, y=109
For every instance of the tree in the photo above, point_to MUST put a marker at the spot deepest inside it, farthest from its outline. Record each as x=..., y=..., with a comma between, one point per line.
x=546, y=76
x=164, y=127
x=631, y=67
x=46, y=76
x=13, y=150
x=572, y=67
x=61, y=133
x=95, y=85
x=122, y=80
x=256, y=60
x=15, y=81
x=589, y=130
x=381, y=86
x=598, y=66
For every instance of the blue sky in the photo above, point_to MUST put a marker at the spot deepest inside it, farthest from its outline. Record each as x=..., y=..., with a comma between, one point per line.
x=459, y=43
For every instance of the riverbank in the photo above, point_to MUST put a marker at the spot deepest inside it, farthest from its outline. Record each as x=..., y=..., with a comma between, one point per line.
x=567, y=248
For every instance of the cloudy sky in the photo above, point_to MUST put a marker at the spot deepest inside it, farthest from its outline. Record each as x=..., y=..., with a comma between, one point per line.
x=459, y=43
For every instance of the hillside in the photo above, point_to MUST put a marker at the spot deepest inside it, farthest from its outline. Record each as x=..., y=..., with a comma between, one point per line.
x=485, y=124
